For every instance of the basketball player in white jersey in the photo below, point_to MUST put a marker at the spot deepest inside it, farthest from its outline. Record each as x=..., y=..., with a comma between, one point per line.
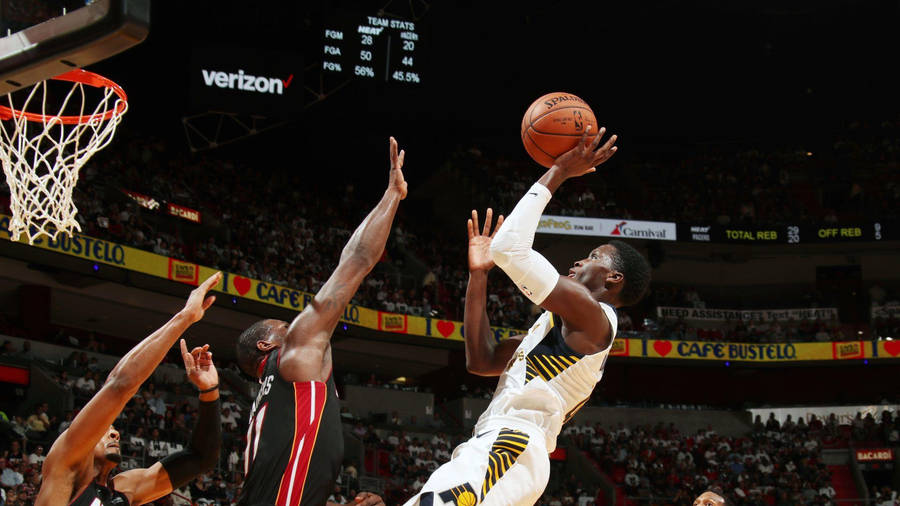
x=549, y=373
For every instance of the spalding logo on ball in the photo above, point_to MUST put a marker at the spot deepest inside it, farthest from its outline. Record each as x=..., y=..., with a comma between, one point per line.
x=553, y=124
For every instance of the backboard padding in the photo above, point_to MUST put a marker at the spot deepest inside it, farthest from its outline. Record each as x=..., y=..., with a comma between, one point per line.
x=81, y=37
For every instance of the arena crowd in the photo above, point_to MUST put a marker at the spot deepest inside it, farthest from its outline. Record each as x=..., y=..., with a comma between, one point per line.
x=296, y=239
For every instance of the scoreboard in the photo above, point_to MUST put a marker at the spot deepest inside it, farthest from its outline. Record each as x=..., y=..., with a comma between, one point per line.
x=372, y=48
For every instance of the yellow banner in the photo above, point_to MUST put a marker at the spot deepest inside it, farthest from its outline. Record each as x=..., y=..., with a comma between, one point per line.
x=755, y=352
x=145, y=262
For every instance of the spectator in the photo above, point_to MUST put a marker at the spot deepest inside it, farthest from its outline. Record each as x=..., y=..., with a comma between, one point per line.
x=156, y=447
x=234, y=459
x=38, y=423
x=15, y=455
x=12, y=475
x=85, y=384
x=156, y=404
x=137, y=442
x=37, y=457
x=231, y=405
x=64, y=381
x=182, y=496
x=337, y=496
x=229, y=419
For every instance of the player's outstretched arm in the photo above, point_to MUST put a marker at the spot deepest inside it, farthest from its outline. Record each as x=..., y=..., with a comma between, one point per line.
x=73, y=447
x=145, y=485
x=316, y=322
x=529, y=270
x=484, y=356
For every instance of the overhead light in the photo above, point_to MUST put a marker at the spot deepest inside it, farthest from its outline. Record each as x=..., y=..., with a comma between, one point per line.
x=809, y=153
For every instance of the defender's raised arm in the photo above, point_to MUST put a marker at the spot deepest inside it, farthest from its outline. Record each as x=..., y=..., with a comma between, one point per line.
x=484, y=356
x=144, y=485
x=315, y=324
x=71, y=453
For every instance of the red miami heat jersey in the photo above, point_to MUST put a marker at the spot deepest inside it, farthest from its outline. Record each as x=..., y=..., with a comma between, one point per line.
x=295, y=443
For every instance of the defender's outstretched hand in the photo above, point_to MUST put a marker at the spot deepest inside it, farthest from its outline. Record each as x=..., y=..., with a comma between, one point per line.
x=396, y=180
x=199, y=366
x=480, y=243
x=585, y=156
x=198, y=302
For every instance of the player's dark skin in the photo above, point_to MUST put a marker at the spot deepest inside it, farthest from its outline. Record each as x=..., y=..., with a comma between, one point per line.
x=89, y=449
x=306, y=342
x=709, y=499
x=585, y=326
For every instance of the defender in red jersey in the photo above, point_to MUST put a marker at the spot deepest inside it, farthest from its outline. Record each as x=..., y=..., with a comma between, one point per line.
x=295, y=443
x=76, y=471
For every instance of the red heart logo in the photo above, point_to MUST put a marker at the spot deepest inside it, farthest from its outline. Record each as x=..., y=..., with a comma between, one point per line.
x=892, y=347
x=445, y=328
x=241, y=284
x=662, y=347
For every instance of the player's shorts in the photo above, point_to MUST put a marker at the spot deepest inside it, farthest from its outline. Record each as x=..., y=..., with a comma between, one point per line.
x=496, y=467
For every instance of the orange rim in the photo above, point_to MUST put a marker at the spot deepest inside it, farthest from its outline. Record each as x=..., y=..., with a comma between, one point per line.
x=75, y=76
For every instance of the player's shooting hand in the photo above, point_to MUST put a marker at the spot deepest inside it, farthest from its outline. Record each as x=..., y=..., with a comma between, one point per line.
x=396, y=181
x=586, y=155
x=198, y=302
x=199, y=366
x=480, y=243
x=367, y=499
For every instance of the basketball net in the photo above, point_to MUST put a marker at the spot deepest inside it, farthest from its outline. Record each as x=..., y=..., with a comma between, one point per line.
x=43, y=151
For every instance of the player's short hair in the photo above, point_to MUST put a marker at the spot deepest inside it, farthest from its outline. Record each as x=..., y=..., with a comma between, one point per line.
x=718, y=491
x=636, y=270
x=247, y=353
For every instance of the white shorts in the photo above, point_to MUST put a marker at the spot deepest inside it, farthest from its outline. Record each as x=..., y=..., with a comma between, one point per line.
x=497, y=467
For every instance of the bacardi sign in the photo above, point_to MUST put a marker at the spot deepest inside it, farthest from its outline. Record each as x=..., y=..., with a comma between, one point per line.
x=875, y=454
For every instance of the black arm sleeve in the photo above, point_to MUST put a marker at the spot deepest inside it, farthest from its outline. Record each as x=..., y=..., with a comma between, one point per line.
x=203, y=450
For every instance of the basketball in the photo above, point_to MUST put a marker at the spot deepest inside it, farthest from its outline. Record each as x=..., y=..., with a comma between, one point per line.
x=553, y=124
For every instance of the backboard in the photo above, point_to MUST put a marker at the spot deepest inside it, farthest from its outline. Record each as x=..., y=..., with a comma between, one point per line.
x=46, y=38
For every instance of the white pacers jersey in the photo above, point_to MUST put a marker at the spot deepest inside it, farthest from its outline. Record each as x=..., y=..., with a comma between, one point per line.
x=546, y=381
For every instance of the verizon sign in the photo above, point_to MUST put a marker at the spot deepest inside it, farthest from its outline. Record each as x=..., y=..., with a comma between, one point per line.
x=605, y=227
x=241, y=80
x=245, y=82
x=875, y=454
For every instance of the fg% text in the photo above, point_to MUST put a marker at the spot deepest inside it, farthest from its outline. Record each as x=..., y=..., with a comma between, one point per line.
x=407, y=77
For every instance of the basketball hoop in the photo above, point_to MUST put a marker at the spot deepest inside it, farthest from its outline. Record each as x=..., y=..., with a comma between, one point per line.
x=43, y=151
